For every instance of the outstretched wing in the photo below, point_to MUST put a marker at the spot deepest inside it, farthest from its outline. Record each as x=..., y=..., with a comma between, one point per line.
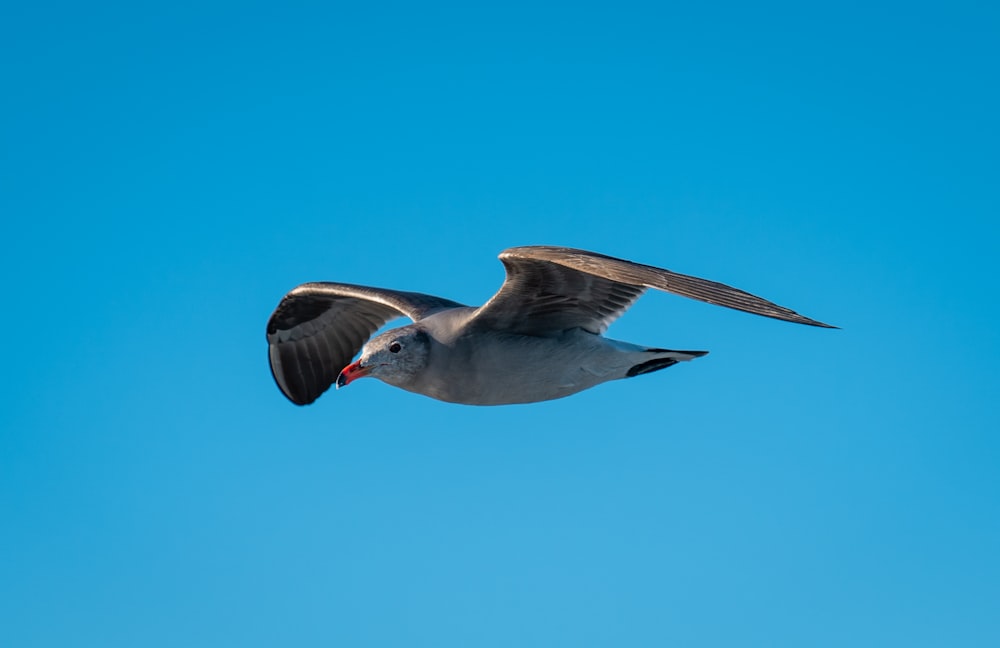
x=549, y=289
x=318, y=328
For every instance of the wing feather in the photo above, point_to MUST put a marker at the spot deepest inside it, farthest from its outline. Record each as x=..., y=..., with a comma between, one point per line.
x=555, y=288
x=318, y=327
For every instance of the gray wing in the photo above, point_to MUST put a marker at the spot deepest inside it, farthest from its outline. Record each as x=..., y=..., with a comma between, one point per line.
x=550, y=289
x=318, y=328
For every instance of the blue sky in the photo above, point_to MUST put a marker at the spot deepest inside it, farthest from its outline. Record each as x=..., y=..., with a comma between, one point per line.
x=167, y=173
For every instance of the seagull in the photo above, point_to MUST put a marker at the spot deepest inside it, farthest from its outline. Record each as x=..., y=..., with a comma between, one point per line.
x=540, y=337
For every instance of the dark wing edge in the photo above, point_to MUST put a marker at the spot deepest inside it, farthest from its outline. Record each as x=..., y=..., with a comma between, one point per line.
x=637, y=274
x=318, y=328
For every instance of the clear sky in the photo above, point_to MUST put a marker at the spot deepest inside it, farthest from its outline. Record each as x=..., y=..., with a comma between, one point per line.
x=168, y=172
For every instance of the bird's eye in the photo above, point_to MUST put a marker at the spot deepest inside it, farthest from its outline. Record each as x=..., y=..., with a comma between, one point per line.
x=395, y=347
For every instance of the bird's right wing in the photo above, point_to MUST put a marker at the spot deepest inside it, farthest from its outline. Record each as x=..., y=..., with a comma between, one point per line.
x=552, y=288
x=318, y=328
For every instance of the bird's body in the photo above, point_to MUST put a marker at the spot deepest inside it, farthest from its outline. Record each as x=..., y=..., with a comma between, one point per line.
x=501, y=368
x=539, y=338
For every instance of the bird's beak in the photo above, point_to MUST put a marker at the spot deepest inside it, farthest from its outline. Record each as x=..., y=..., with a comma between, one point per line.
x=352, y=372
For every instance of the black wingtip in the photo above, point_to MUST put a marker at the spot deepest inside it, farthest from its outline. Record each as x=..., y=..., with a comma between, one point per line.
x=812, y=322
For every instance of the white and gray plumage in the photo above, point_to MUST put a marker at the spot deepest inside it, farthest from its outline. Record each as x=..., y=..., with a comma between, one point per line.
x=539, y=338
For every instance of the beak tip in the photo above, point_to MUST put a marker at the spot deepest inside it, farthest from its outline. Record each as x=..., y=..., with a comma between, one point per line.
x=349, y=373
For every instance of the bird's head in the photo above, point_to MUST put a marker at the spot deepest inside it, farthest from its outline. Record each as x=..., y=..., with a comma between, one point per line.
x=394, y=357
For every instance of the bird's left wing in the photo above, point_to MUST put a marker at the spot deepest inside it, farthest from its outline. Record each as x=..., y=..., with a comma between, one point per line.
x=318, y=328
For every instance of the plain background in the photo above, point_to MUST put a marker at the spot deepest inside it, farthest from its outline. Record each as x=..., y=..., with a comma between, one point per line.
x=169, y=171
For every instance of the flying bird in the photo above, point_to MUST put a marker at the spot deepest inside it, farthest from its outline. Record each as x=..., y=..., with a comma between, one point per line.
x=540, y=337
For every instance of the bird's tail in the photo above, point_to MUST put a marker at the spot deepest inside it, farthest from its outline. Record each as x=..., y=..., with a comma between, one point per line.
x=664, y=358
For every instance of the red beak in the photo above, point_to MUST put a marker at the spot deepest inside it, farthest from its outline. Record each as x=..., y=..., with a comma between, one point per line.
x=350, y=373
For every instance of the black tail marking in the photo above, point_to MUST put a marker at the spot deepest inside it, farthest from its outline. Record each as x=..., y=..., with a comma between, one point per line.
x=650, y=366
x=656, y=364
x=696, y=354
